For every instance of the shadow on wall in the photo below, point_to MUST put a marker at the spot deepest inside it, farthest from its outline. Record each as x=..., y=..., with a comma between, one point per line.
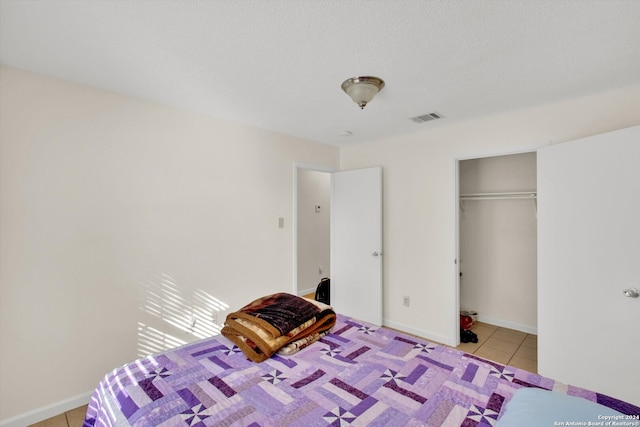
x=175, y=315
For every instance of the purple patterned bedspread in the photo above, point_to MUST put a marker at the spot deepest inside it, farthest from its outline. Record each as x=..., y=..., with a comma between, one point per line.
x=358, y=374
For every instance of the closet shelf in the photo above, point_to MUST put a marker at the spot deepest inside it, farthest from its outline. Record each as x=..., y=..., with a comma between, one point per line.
x=499, y=196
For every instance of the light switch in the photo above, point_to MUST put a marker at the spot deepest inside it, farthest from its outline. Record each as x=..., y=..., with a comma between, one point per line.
x=280, y=222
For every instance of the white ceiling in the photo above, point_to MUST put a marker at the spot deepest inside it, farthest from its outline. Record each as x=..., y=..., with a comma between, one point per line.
x=279, y=64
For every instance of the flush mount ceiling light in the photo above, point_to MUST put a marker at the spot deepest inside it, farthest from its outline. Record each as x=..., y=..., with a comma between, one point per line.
x=362, y=89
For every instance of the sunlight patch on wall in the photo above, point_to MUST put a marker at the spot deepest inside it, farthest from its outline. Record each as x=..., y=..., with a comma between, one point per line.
x=171, y=310
x=152, y=340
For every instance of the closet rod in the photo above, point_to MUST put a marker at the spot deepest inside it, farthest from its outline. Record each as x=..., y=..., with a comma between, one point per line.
x=498, y=196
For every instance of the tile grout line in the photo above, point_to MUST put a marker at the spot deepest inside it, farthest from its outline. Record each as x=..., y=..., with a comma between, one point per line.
x=485, y=341
x=518, y=348
x=521, y=344
x=512, y=354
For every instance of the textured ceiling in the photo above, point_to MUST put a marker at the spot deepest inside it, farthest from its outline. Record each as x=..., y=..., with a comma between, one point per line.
x=279, y=64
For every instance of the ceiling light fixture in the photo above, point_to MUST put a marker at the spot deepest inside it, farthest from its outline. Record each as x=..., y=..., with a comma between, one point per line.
x=362, y=89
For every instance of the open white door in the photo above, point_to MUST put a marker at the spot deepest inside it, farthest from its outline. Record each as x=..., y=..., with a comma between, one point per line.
x=356, y=244
x=588, y=254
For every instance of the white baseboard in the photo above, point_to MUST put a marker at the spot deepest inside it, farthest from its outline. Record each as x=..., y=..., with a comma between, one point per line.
x=429, y=336
x=506, y=324
x=45, y=412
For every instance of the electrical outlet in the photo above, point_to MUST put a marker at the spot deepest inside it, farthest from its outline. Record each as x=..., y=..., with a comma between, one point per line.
x=214, y=317
x=406, y=301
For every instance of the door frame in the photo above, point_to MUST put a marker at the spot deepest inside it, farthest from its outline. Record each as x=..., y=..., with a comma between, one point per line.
x=296, y=167
x=455, y=314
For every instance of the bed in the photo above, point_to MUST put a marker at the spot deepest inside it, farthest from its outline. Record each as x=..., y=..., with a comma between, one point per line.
x=358, y=374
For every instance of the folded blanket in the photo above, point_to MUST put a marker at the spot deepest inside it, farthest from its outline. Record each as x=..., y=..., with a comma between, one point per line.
x=298, y=345
x=278, y=322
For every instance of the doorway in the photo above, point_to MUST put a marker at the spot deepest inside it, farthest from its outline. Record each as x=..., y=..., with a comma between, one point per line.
x=354, y=234
x=497, y=240
x=313, y=228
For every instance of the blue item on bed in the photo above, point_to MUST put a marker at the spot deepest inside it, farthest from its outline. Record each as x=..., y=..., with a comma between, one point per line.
x=533, y=407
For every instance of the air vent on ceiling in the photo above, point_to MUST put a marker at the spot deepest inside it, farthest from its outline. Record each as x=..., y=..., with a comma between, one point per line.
x=427, y=117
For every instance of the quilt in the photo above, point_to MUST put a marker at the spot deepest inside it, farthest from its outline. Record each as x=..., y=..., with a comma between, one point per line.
x=358, y=374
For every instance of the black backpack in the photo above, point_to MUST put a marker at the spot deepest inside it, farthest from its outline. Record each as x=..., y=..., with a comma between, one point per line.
x=323, y=291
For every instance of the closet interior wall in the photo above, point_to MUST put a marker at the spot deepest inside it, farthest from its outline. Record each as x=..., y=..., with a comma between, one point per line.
x=314, y=229
x=498, y=240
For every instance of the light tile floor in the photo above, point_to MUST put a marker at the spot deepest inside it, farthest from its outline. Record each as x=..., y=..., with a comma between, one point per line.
x=501, y=345
x=505, y=346
x=72, y=418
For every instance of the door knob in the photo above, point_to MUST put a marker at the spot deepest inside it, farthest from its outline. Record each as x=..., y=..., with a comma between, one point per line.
x=631, y=293
x=376, y=254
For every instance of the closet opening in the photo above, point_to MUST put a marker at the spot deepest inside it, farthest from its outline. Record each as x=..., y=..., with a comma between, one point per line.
x=497, y=241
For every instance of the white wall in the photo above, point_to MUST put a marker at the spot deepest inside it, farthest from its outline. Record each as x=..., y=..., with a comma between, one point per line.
x=119, y=216
x=498, y=242
x=420, y=209
x=314, y=189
